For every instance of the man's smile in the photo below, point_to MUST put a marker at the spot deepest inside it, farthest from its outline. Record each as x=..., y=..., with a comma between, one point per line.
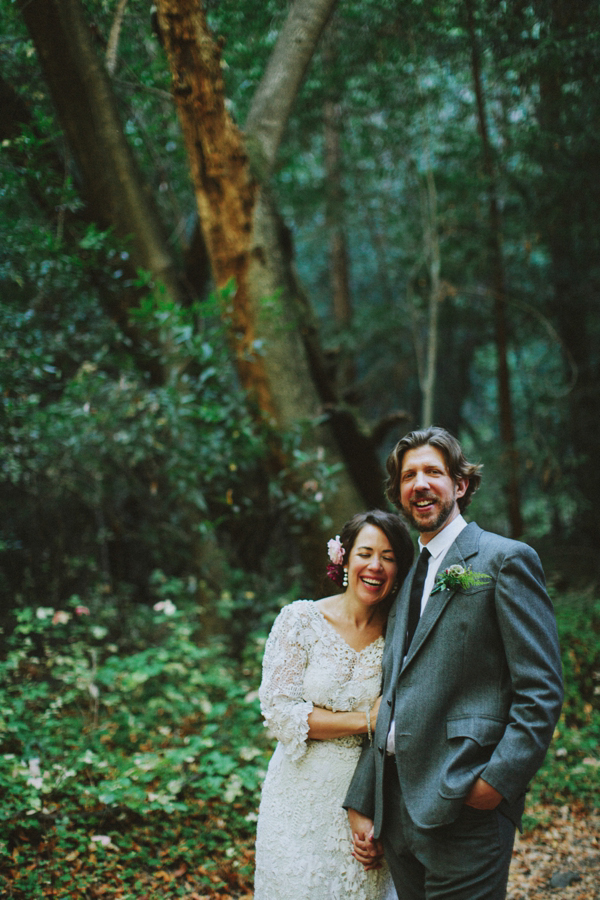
x=424, y=502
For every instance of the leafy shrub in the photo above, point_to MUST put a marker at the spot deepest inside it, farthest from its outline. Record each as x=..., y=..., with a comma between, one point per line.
x=136, y=752
x=126, y=472
x=107, y=477
x=572, y=766
x=160, y=736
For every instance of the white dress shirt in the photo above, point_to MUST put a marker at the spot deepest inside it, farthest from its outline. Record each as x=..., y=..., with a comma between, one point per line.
x=438, y=546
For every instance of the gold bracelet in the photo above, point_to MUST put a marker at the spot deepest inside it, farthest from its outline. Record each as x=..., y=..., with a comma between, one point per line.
x=369, y=730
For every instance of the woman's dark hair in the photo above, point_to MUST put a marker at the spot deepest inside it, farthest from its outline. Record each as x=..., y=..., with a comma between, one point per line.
x=395, y=530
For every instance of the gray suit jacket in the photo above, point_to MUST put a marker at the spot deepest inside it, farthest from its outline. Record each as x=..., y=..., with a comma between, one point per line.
x=479, y=693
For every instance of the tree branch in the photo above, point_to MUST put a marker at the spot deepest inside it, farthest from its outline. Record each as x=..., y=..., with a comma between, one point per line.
x=279, y=86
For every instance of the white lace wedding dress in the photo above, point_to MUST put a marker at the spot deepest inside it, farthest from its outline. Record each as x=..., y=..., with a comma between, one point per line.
x=303, y=838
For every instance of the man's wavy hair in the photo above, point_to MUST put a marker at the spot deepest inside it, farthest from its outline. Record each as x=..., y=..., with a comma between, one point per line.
x=458, y=466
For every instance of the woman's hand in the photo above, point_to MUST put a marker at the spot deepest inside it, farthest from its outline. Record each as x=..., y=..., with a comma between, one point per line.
x=365, y=848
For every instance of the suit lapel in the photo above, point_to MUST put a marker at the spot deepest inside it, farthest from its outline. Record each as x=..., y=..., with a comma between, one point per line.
x=400, y=614
x=465, y=546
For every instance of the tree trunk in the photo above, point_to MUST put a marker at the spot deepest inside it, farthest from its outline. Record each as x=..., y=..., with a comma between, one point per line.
x=569, y=199
x=273, y=99
x=295, y=45
x=113, y=38
x=507, y=433
x=116, y=198
x=111, y=183
x=246, y=243
x=278, y=88
x=334, y=217
x=340, y=281
x=432, y=248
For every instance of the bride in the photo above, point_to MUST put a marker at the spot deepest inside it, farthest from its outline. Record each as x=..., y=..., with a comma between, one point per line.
x=320, y=696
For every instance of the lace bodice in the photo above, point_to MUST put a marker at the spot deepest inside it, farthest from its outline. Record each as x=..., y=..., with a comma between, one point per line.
x=307, y=663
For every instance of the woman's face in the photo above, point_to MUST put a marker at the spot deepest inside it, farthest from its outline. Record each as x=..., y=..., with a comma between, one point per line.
x=372, y=567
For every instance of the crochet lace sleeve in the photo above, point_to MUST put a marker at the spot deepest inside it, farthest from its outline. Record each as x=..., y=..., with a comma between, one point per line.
x=281, y=690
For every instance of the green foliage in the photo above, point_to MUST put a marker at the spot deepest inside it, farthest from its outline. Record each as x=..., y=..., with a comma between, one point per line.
x=572, y=766
x=117, y=475
x=457, y=577
x=124, y=471
x=135, y=752
x=130, y=759
x=97, y=736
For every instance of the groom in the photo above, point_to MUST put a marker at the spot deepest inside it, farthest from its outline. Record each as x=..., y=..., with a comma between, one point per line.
x=472, y=690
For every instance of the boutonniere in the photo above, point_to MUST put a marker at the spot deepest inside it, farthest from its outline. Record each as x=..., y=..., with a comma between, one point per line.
x=456, y=577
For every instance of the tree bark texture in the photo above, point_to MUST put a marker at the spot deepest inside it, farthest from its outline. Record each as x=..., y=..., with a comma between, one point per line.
x=225, y=187
x=113, y=38
x=507, y=432
x=84, y=100
x=247, y=243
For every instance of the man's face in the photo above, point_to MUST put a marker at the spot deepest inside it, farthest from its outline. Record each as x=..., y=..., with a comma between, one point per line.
x=428, y=495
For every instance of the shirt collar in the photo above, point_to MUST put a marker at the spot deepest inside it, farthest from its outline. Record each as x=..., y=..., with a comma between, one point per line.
x=444, y=538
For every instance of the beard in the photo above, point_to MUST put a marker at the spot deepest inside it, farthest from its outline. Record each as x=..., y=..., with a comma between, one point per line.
x=444, y=513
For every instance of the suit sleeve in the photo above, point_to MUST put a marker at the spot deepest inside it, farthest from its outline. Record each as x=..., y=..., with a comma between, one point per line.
x=528, y=629
x=361, y=791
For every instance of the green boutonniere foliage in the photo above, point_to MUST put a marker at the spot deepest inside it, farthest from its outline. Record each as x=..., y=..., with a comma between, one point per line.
x=457, y=577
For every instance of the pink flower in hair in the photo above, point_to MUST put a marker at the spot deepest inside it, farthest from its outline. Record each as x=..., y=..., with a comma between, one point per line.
x=335, y=551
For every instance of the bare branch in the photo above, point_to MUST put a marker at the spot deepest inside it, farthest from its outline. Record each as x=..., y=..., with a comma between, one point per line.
x=113, y=38
x=284, y=74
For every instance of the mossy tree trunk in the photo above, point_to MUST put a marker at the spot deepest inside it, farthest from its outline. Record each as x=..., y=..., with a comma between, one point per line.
x=111, y=183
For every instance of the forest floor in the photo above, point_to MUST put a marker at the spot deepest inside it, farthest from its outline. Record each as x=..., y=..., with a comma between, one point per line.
x=559, y=860
x=556, y=860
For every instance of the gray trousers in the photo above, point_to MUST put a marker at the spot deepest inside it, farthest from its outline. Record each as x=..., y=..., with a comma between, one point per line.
x=465, y=860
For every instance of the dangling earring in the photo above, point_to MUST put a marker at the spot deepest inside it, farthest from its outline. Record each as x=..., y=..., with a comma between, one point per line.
x=345, y=578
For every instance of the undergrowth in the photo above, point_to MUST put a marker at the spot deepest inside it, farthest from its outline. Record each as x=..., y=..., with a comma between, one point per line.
x=571, y=770
x=131, y=758
x=128, y=765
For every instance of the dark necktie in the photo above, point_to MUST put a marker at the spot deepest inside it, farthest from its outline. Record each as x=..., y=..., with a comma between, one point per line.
x=416, y=595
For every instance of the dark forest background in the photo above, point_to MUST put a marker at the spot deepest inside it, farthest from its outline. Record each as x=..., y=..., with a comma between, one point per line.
x=244, y=247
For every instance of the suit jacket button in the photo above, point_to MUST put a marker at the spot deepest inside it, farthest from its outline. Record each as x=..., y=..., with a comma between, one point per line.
x=389, y=702
x=380, y=748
